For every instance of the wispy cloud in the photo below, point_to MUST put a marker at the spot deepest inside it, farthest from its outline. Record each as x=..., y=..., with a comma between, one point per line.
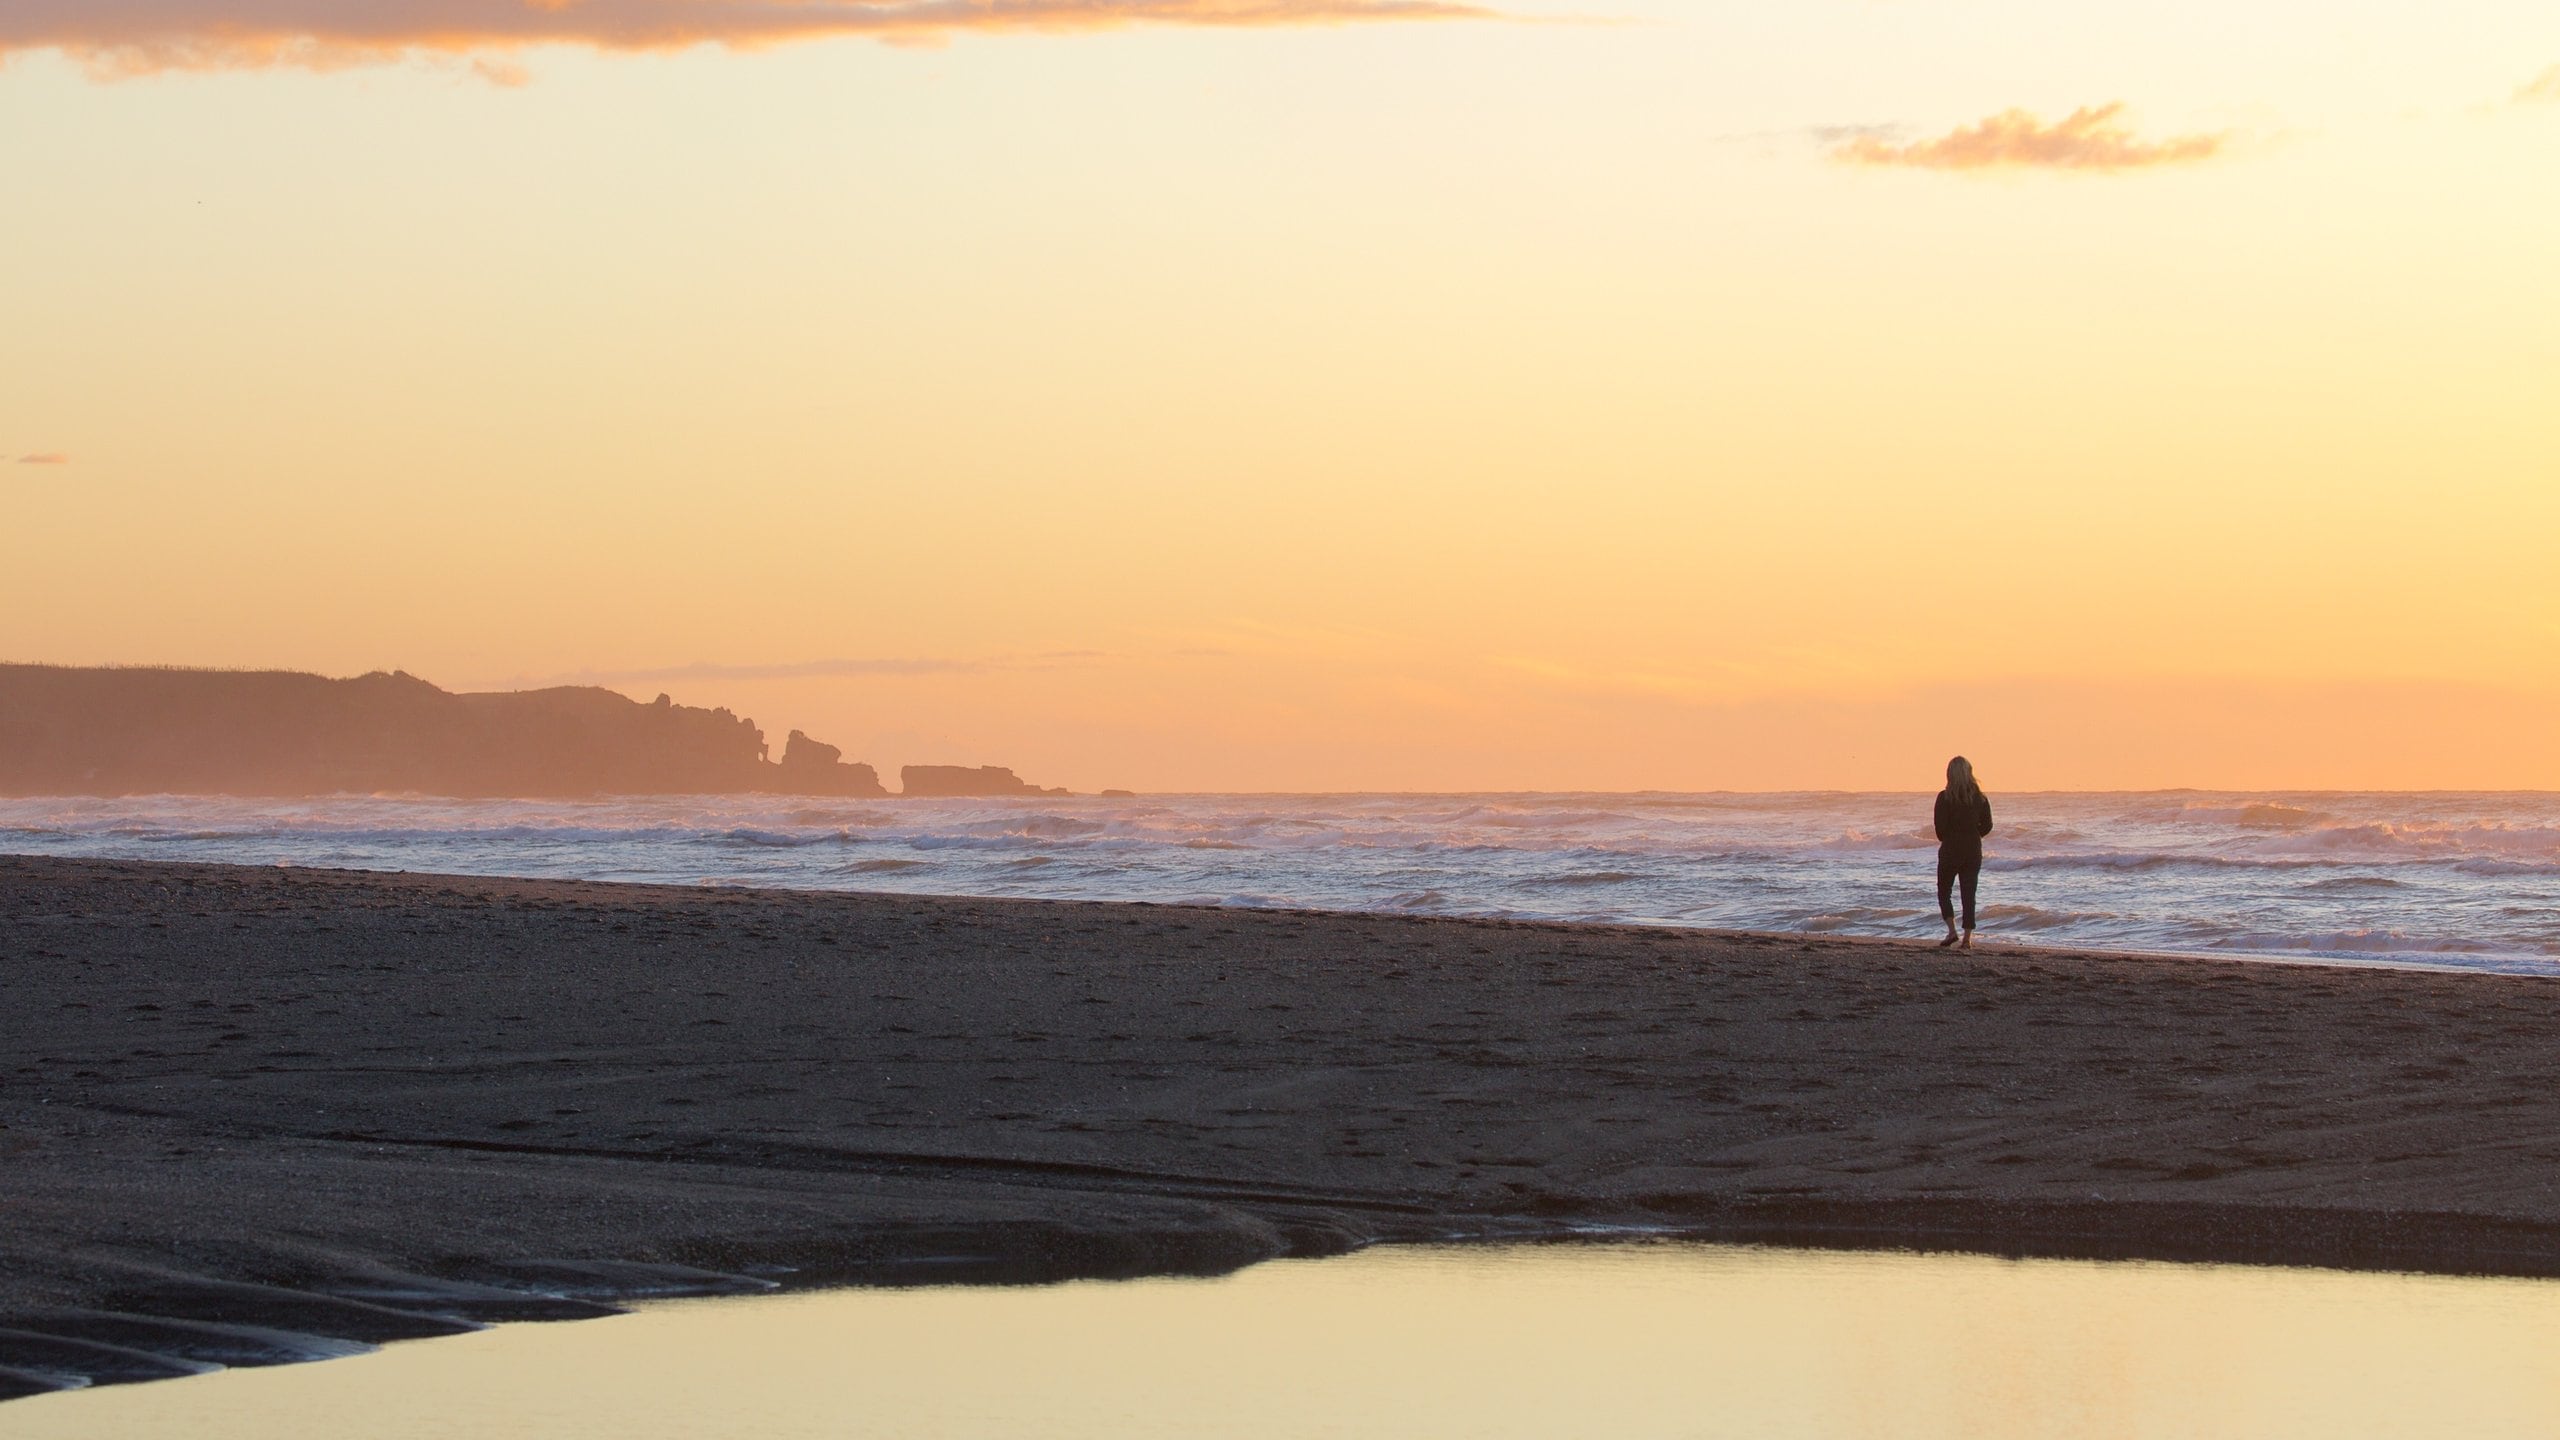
x=2543, y=89
x=818, y=669
x=2091, y=138
x=1840, y=135
x=47, y=458
x=135, y=36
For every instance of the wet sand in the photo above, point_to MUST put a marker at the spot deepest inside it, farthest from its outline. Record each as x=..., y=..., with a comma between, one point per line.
x=341, y=1103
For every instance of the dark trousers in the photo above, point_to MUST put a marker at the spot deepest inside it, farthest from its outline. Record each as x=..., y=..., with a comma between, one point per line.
x=1952, y=868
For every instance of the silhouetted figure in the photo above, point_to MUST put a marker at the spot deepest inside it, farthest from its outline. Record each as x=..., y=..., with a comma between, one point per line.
x=1963, y=818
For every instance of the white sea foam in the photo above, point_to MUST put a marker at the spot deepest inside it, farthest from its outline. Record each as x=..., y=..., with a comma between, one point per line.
x=2468, y=880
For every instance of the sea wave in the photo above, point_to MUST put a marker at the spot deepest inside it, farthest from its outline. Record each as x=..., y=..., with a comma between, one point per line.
x=2354, y=884
x=2030, y=917
x=1855, y=842
x=2135, y=861
x=1858, y=918
x=2445, y=879
x=1054, y=827
x=2352, y=942
x=2487, y=867
x=787, y=839
x=2260, y=815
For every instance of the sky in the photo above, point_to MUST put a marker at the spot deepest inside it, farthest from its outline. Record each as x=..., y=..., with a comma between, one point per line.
x=1321, y=394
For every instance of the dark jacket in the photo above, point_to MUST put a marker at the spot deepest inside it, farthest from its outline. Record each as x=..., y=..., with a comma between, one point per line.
x=1960, y=833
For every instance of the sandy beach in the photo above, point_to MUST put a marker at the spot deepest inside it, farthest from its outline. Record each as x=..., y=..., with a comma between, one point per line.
x=362, y=1105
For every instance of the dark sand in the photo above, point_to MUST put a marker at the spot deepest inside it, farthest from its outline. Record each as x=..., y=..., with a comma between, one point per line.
x=376, y=1086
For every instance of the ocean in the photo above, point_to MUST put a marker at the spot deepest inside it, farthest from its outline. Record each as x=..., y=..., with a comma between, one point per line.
x=2468, y=881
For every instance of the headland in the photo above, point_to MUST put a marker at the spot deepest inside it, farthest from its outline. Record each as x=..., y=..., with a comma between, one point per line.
x=136, y=730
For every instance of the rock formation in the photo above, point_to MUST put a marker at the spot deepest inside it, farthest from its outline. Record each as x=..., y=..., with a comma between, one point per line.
x=67, y=731
x=813, y=767
x=962, y=780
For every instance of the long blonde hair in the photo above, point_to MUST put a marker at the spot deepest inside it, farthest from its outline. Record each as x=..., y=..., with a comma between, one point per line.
x=1960, y=781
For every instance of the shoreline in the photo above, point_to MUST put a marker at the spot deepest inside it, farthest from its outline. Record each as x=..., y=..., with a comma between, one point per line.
x=2498, y=962
x=388, y=1100
x=2414, y=880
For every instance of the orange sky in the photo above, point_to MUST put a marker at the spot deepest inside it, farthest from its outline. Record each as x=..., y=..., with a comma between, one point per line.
x=1729, y=395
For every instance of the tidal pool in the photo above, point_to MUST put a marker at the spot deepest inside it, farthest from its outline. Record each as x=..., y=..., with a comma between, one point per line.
x=1619, y=1340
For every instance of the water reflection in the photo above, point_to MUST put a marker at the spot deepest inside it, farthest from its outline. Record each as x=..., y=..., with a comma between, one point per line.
x=1617, y=1341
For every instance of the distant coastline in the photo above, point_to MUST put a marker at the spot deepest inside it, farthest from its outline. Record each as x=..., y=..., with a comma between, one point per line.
x=68, y=730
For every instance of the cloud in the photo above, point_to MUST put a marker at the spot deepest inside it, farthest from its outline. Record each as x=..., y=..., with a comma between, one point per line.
x=819, y=669
x=799, y=670
x=1838, y=135
x=47, y=458
x=2543, y=89
x=137, y=36
x=2090, y=138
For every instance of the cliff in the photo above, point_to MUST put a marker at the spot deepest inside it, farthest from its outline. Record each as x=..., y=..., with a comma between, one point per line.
x=149, y=731
x=812, y=767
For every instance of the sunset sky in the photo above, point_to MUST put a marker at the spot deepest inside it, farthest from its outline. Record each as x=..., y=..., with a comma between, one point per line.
x=1321, y=394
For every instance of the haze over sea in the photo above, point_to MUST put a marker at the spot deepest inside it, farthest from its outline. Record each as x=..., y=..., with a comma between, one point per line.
x=2465, y=880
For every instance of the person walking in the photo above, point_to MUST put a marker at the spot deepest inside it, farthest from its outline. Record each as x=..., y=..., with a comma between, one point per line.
x=1963, y=818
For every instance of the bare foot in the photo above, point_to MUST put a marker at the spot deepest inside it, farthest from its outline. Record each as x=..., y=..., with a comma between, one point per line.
x=1950, y=940
x=1968, y=940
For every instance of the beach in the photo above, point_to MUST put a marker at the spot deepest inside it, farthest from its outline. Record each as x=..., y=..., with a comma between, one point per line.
x=2448, y=879
x=328, y=1100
